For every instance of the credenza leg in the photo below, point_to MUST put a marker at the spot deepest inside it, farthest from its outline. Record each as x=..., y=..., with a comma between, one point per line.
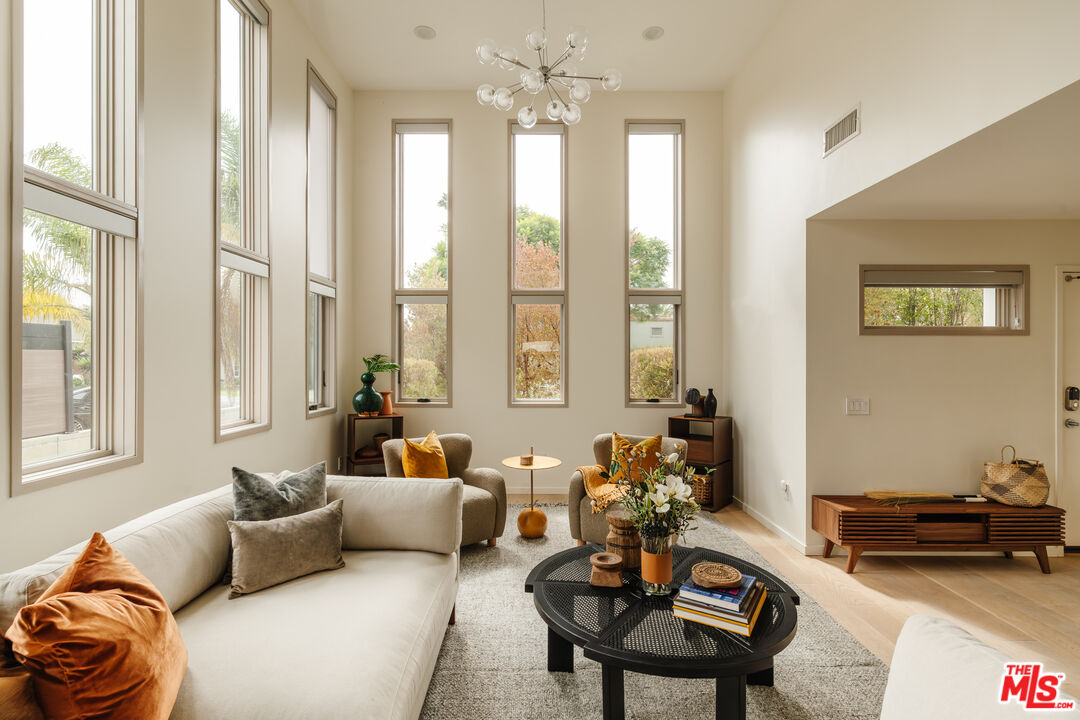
x=1044, y=561
x=853, y=557
x=827, y=552
x=1007, y=554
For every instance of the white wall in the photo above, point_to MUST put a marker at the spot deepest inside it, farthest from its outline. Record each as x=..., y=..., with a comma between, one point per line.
x=940, y=406
x=596, y=270
x=180, y=457
x=927, y=73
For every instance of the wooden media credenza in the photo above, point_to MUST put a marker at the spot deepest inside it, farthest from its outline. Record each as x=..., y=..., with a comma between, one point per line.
x=857, y=523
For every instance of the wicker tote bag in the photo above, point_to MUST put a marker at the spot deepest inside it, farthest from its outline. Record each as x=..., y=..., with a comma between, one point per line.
x=1019, y=482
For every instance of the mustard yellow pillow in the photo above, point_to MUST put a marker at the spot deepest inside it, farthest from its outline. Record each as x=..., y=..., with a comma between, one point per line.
x=424, y=460
x=646, y=459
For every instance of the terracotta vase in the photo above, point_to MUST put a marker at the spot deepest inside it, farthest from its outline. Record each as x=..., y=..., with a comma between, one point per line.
x=387, y=403
x=656, y=565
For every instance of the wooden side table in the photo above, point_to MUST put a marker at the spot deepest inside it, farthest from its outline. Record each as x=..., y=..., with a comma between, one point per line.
x=354, y=464
x=532, y=522
x=709, y=444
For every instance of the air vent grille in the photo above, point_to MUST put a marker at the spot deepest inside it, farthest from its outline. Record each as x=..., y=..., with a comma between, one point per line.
x=842, y=131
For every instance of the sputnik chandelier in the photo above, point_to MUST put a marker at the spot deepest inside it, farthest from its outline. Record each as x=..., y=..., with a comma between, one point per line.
x=556, y=78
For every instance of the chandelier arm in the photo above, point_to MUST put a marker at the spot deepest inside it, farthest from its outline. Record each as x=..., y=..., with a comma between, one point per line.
x=560, y=81
x=515, y=62
x=562, y=58
x=557, y=95
x=582, y=77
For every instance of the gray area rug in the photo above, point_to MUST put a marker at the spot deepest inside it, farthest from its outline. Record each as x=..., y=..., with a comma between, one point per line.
x=494, y=660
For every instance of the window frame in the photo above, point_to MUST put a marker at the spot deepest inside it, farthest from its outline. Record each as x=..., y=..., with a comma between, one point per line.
x=1020, y=296
x=676, y=295
x=400, y=296
x=538, y=296
x=323, y=288
x=111, y=211
x=254, y=261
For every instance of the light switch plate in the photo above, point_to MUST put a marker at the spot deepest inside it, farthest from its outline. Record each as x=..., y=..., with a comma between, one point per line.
x=856, y=406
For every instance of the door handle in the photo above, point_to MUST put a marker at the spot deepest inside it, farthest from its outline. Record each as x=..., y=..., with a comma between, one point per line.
x=1070, y=423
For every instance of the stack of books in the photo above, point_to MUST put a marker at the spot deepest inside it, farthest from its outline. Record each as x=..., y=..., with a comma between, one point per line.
x=734, y=609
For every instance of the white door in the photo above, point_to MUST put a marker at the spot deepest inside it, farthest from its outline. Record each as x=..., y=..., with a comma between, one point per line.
x=1069, y=481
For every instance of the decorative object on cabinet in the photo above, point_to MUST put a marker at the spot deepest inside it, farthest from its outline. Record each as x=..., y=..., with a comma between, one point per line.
x=709, y=403
x=387, y=402
x=697, y=406
x=710, y=445
x=367, y=400
x=356, y=437
x=857, y=523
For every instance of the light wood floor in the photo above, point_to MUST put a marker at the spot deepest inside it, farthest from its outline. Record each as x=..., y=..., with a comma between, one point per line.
x=1008, y=604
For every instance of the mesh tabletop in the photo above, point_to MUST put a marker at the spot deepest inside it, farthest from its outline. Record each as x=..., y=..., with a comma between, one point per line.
x=626, y=628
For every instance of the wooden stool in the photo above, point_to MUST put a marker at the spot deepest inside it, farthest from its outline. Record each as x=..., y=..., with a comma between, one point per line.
x=623, y=539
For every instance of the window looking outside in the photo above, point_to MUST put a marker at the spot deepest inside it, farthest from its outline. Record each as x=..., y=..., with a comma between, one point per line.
x=242, y=399
x=943, y=299
x=321, y=245
x=538, y=258
x=422, y=239
x=77, y=342
x=654, y=261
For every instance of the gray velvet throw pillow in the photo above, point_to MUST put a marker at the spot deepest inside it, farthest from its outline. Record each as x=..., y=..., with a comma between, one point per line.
x=270, y=552
x=259, y=498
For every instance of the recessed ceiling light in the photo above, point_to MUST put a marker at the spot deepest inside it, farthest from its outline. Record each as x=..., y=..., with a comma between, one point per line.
x=426, y=32
x=653, y=32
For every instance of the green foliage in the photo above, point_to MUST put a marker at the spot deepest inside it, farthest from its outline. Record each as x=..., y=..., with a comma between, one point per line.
x=537, y=229
x=431, y=274
x=378, y=363
x=923, y=307
x=652, y=373
x=230, y=178
x=422, y=379
x=649, y=261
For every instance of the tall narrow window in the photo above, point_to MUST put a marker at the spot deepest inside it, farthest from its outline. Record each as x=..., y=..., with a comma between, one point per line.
x=654, y=300
x=74, y=378
x=422, y=239
x=321, y=245
x=538, y=293
x=242, y=277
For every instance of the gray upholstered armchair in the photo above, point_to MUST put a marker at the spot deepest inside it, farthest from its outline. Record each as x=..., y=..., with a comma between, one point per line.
x=585, y=526
x=483, y=506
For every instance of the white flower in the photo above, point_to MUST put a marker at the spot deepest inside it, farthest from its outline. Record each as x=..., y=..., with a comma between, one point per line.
x=680, y=490
x=659, y=496
x=663, y=509
x=672, y=458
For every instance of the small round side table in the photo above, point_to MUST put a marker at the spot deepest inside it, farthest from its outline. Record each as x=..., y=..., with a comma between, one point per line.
x=532, y=522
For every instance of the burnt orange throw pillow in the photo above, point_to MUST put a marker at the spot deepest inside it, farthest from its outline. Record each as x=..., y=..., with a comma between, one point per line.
x=646, y=458
x=424, y=460
x=101, y=642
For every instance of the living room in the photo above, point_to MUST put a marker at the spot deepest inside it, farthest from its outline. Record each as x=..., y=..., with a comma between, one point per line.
x=219, y=211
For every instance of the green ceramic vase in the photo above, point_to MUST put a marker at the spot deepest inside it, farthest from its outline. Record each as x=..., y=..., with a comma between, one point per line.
x=367, y=399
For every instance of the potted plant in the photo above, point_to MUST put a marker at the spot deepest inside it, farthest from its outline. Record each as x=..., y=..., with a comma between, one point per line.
x=367, y=400
x=661, y=504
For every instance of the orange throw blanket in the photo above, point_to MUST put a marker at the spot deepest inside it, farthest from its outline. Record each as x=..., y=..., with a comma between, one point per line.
x=602, y=491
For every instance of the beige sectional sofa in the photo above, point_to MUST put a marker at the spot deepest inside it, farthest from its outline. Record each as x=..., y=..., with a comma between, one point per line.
x=357, y=642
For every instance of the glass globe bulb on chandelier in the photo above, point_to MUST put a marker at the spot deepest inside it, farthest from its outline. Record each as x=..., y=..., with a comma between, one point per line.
x=557, y=80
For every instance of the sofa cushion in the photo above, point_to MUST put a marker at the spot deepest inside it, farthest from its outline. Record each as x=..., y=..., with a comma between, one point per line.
x=181, y=548
x=383, y=513
x=941, y=671
x=376, y=627
x=17, y=699
x=425, y=459
x=256, y=497
x=271, y=552
x=101, y=642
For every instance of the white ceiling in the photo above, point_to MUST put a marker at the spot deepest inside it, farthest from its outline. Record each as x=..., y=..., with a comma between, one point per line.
x=1026, y=166
x=372, y=43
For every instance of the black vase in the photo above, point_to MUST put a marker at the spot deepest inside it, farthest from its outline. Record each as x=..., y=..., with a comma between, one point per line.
x=710, y=404
x=367, y=401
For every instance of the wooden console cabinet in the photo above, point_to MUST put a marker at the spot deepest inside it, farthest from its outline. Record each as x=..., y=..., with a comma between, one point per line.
x=857, y=523
x=709, y=445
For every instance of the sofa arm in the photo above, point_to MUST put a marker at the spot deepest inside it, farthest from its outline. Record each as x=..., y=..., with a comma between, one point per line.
x=492, y=481
x=577, y=492
x=398, y=513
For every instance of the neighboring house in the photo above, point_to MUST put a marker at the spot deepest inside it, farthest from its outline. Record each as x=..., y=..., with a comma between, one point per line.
x=652, y=333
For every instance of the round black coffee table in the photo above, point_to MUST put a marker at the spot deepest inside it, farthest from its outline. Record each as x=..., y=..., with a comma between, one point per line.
x=624, y=629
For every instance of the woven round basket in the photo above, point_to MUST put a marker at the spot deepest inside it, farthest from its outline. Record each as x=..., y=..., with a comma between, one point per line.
x=715, y=575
